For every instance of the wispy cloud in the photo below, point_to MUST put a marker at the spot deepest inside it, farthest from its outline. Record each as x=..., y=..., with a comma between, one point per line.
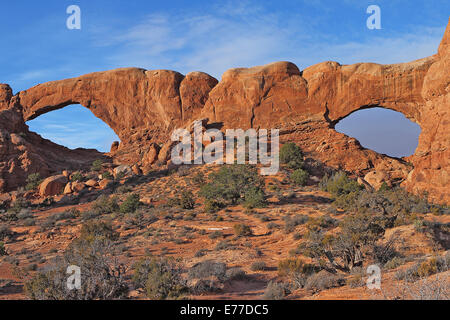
x=240, y=38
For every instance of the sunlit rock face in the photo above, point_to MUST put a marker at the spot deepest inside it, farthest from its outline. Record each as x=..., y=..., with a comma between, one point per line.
x=143, y=107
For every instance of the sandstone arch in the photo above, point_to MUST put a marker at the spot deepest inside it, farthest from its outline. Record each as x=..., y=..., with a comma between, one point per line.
x=143, y=107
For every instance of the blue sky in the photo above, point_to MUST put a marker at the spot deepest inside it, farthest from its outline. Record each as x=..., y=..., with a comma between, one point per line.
x=210, y=36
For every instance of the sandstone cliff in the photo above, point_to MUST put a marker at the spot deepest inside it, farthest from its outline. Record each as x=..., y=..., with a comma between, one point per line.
x=143, y=107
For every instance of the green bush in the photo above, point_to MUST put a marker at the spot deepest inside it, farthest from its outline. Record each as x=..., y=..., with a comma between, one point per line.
x=208, y=270
x=105, y=205
x=242, y=230
x=77, y=177
x=292, y=156
x=160, y=278
x=258, y=266
x=212, y=206
x=275, y=291
x=231, y=184
x=102, y=276
x=294, y=221
x=289, y=267
x=300, y=177
x=347, y=248
x=5, y=231
x=199, y=179
x=3, y=249
x=107, y=175
x=33, y=181
x=98, y=230
x=185, y=201
x=131, y=204
x=254, y=198
x=340, y=184
x=324, y=280
x=97, y=165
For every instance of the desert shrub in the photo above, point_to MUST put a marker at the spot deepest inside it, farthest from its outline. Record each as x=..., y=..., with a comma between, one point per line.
x=97, y=165
x=19, y=205
x=394, y=263
x=254, y=198
x=324, y=280
x=224, y=245
x=107, y=175
x=339, y=184
x=24, y=214
x=5, y=231
x=33, y=181
x=290, y=222
x=98, y=230
x=122, y=189
x=212, y=206
x=347, y=248
x=77, y=177
x=300, y=177
x=258, y=266
x=276, y=291
x=424, y=269
x=291, y=155
x=208, y=270
x=199, y=179
x=102, y=276
x=242, y=230
x=357, y=278
x=201, y=253
x=293, y=266
x=215, y=235
x=105, y=205
x=160, y=278
x=236, y=274
x=131, y=203
x=65, y=215
x=3, y=251
x=231, y=184
x=185, y=201
x=322, y=222
x=272, y=226
x=383, y=253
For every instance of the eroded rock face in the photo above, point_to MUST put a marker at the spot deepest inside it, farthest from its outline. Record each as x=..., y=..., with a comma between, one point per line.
x=23, y=152
x=53, y=186
x=144, y=107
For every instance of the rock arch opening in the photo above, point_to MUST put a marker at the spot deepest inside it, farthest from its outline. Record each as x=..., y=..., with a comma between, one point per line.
x=74, y=126
x=382, y=130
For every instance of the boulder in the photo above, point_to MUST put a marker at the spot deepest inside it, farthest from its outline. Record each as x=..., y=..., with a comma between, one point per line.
x=376, y=179
x=165, y=152
x=91, y=183
x=68, y=188
x=151, y=156
x=53, y=186
x=78, y=186
x=122, y=169
x=104, y=184
x=364, y=183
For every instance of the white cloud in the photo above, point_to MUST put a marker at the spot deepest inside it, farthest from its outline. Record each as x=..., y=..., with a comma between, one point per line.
x=245, y=37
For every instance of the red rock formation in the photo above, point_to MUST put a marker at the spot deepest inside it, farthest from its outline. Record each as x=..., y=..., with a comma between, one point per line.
x=143, y=107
